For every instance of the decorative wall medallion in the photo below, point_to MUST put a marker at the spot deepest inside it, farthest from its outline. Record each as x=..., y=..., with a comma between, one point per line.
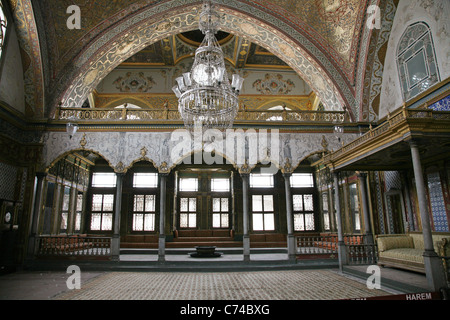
x=273, y=84
x=134, y=82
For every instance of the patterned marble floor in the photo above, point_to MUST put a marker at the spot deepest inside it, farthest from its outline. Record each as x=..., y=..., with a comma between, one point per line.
x=263, y=285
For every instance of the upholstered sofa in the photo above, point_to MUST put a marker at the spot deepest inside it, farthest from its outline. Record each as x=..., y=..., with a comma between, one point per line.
x=405, y=251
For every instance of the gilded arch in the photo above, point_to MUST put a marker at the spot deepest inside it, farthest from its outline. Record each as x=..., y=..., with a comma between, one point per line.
x=112, y=48
x=66, y=153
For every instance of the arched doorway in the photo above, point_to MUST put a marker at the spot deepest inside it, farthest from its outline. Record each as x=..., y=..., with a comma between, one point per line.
x=66, y=200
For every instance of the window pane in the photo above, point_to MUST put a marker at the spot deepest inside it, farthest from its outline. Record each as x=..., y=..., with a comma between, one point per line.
x=192, y=204
x=192, y=220
x=268, y=203
x=269, y=222
x=149, y=222
x=104, y=179
x=357, y=222
x=80, y=202
x=309, y=221
x=216, y=205
x=258, y=222
x=97, y=201
x=308, y=200
x=96, y=219
x=216, y=220
x=107, y=221
x=299, y=224
x=302, y=180
x=224, y=204
x=183, y=220
x=222, y=185
x=138, y=221
x=417, y=70
x=139, y=203
x=326, y=221
x=108, y=202
x=261, y=180
x=257, y=203
x=150, y=201
x=297, y=202
x=145, y=180
x=66, y=199
x=78, y=221
x=188, y=184
x=64, y=217
x=224, y=220
x=184, y=204
x=325, y=202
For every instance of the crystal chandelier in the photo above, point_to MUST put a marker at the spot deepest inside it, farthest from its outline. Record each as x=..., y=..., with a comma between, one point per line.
x=206, y=98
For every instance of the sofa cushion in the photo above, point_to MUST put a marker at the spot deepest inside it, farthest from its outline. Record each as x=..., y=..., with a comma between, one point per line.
x=404, y=254
x=437, y=241
x=393, y=242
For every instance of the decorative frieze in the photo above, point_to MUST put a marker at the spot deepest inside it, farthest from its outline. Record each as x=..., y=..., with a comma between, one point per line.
x=167, y=149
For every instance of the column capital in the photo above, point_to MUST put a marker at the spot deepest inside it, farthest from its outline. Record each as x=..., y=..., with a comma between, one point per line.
x=120, y=168
x=164, y=168
x=245, y=169
x=287, y=168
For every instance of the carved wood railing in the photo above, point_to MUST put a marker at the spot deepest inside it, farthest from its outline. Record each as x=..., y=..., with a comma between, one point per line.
x=161, y=115
x=326, y=246
x=83, y=247
x=316, y=247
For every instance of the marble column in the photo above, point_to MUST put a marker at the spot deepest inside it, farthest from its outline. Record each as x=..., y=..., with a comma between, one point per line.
x=342, y=251
x=362, y=176
x=433, y=265
x=289, y=217
x=115, y=242
x=162, y=218
x=38, y=203
x=246, y=237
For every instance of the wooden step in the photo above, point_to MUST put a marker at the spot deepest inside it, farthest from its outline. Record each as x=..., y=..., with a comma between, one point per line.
x=204, y=239
x=222, y=244
x=203, y=233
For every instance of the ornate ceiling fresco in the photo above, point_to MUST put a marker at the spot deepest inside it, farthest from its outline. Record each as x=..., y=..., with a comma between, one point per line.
x=239, y=52
x=335, y=24
x=146, y=79
x=324, y=41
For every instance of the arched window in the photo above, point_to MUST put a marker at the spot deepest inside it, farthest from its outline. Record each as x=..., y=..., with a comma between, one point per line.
x=3, y=26
x=416, y=60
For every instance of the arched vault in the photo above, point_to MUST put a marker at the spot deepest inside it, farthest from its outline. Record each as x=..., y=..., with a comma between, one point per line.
x=156, y=22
